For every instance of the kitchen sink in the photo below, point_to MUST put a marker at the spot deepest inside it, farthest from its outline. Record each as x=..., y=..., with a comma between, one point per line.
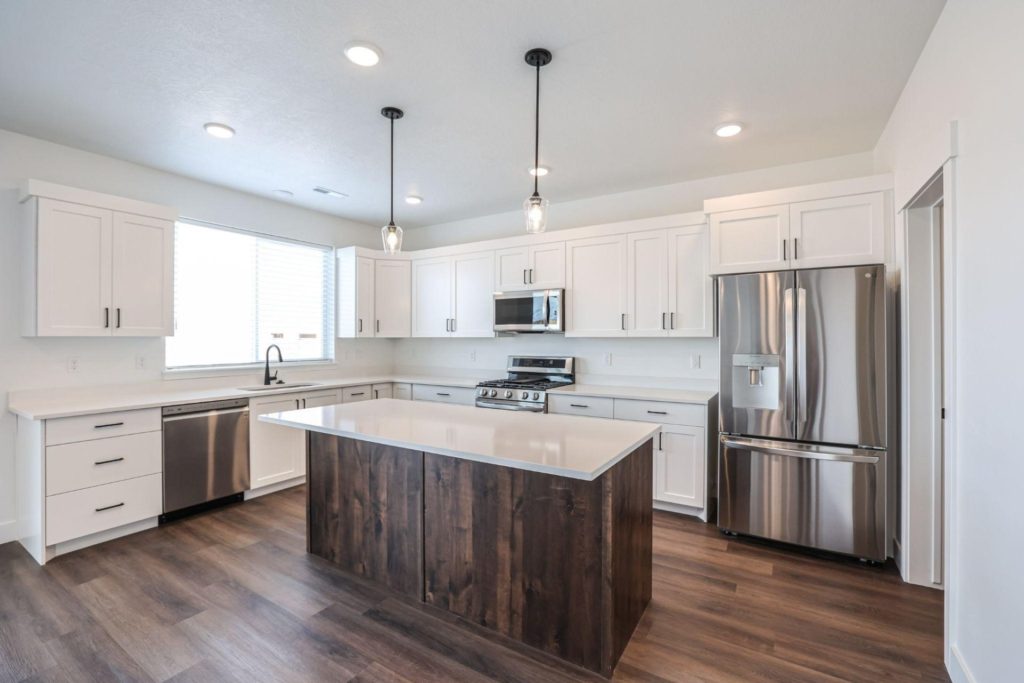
x=285, y=385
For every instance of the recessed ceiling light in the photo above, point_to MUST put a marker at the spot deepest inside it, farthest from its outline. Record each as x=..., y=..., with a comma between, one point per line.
x=413, y=199
x=540, y=171
x=219, y=130
x=284, y=193
x=329, y=192
x=363, y=54
x=727, y=130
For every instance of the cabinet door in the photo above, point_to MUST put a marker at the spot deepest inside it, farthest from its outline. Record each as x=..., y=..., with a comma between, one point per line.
x=596, y=287
x=843, y=231
x=474, y=301
x=383, y=391
x=401, y=391
x=276, y=453
x=366, y=276
x=679, y=466
x=142, y=276
x=691, y=291
x=391, y=298
x=318, y=399
x=73, y=245
x=510, y=269
x=547, y=266
x=750, y=240
x=431, y=297
x=647, y=309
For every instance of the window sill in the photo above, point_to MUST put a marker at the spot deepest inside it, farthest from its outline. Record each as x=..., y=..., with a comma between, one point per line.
x=236, y=370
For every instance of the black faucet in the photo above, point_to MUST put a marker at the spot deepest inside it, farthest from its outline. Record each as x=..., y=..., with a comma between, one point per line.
x=267, y=377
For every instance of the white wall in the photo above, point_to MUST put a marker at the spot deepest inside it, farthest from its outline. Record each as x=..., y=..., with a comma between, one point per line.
x=970, y=71
x=647, y=203
x=38, y=363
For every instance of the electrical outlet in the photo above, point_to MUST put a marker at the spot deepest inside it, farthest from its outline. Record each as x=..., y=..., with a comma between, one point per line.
x=472, y=356
x=608, y=359
x=140, y=362
x=695, y=361
x=73, y=364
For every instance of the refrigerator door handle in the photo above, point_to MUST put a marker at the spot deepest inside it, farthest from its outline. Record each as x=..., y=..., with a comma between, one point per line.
x=788, y=304
x=801, y=355
x=846, y=454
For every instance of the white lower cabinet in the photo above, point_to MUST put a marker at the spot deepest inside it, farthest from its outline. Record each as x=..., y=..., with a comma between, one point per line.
x=680, y=461
x=401, y=391
x=98, y=508
x=363, y=392
x=278, y=453
x=441, y=394
x=382, y=391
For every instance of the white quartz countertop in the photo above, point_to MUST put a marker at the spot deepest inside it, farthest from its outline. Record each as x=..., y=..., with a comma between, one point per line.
x=564, y=445
x=640, y=393
x=46, y=404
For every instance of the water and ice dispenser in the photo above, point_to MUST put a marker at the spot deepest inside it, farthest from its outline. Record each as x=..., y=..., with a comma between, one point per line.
x=755, y=381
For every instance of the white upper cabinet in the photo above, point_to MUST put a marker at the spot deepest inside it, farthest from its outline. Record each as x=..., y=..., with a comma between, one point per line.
x=596, y=286
x=842, y=231
x=691, y=289
x=473, y=304
x=91, y=269
x=392, y=298
x=648, y=304
x=373, y=296
x=750, y=240
x=143, y=276
x=452, y=296
x=432, y=297
x=538, y=266
x=843, y=223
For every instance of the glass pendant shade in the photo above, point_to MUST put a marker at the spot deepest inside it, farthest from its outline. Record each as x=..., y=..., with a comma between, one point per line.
x=536, y=209
x=391, y=235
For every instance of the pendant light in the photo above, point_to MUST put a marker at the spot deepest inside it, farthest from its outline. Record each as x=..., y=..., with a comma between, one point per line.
x=391, y=234
x=535, y=206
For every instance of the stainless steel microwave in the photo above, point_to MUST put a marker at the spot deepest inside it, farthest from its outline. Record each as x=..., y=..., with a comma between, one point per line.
x=533, y=311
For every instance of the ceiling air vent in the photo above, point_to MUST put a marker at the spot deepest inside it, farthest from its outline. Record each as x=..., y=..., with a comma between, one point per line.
x=329, y=192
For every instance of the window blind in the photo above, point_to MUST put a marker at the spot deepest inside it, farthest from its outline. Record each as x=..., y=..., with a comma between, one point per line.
x=236, y=292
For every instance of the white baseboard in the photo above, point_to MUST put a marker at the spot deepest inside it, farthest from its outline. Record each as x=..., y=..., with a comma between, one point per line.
x=274, y=488
x=957, y=667
x=699, y=513
x=8, y=531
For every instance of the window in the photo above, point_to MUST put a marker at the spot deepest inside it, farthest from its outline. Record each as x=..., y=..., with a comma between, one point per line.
x=235, y=293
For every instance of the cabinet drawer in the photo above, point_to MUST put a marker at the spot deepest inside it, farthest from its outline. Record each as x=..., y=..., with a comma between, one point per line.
x=433, y=392
x=80, y=513
x=402, y=391
x=79, y=465
x=363, y=392
x=660, y=411
x=101, y=425
x=591, y=406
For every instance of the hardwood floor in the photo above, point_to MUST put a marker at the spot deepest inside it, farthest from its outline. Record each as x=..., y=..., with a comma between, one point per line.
x=232, y=596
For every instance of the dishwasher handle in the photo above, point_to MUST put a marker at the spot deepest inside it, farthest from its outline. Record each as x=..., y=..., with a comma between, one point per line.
x=208, y=413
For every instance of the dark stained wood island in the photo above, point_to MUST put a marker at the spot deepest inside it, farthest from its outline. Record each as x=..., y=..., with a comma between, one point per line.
x=535, y=526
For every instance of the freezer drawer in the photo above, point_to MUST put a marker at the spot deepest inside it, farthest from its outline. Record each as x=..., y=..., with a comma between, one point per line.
x=829, y=498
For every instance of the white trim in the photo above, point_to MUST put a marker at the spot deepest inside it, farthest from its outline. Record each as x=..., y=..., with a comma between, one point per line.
x=951, y=401
x=274, y=488
x=803, y=193
x=207, y=371
x=66, y=547
x=44, y=188
x=8, y=531
x=957, y=668
x=700, y=513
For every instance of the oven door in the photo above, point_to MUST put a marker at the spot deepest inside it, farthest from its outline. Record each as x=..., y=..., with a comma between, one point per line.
x=530, y=311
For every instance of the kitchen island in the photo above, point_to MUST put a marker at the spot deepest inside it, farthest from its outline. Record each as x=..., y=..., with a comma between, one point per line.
x=536, y=526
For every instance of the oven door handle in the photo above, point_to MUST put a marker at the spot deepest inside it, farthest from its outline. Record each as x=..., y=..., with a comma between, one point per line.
x=507, y=406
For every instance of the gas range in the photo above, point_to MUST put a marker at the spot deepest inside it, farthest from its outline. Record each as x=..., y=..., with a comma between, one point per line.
x=529, y=379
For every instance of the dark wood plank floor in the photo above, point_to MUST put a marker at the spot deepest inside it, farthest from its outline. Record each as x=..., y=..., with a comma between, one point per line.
x=232, y=596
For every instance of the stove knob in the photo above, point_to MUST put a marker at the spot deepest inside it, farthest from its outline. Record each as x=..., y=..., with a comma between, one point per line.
x=525, y=395
x=536, y=396
x=493, y=393
x=508, y=393
x=483, y=392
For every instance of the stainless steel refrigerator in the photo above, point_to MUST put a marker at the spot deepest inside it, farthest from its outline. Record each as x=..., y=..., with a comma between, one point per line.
x=803, y=419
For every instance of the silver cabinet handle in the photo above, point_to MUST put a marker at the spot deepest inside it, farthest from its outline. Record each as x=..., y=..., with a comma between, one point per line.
x=578, y=405
x=376, y=394
x=110, y=507
x=107, y=462
x=661, y=441
x=747, y=445
x=657, y=412
x=453, y=324
x=663, y=321
x=106, y=316
x=108, y=425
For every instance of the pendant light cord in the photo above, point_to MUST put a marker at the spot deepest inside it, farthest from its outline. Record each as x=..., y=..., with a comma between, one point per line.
x=536, y=135
x=392, y=221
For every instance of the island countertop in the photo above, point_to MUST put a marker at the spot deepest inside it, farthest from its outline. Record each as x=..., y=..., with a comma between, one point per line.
x=564, y=445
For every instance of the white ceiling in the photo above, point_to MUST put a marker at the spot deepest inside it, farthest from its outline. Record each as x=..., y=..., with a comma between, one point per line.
x=629, y=101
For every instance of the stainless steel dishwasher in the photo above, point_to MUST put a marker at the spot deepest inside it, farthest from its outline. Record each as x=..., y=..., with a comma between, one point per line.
x=206, y=455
